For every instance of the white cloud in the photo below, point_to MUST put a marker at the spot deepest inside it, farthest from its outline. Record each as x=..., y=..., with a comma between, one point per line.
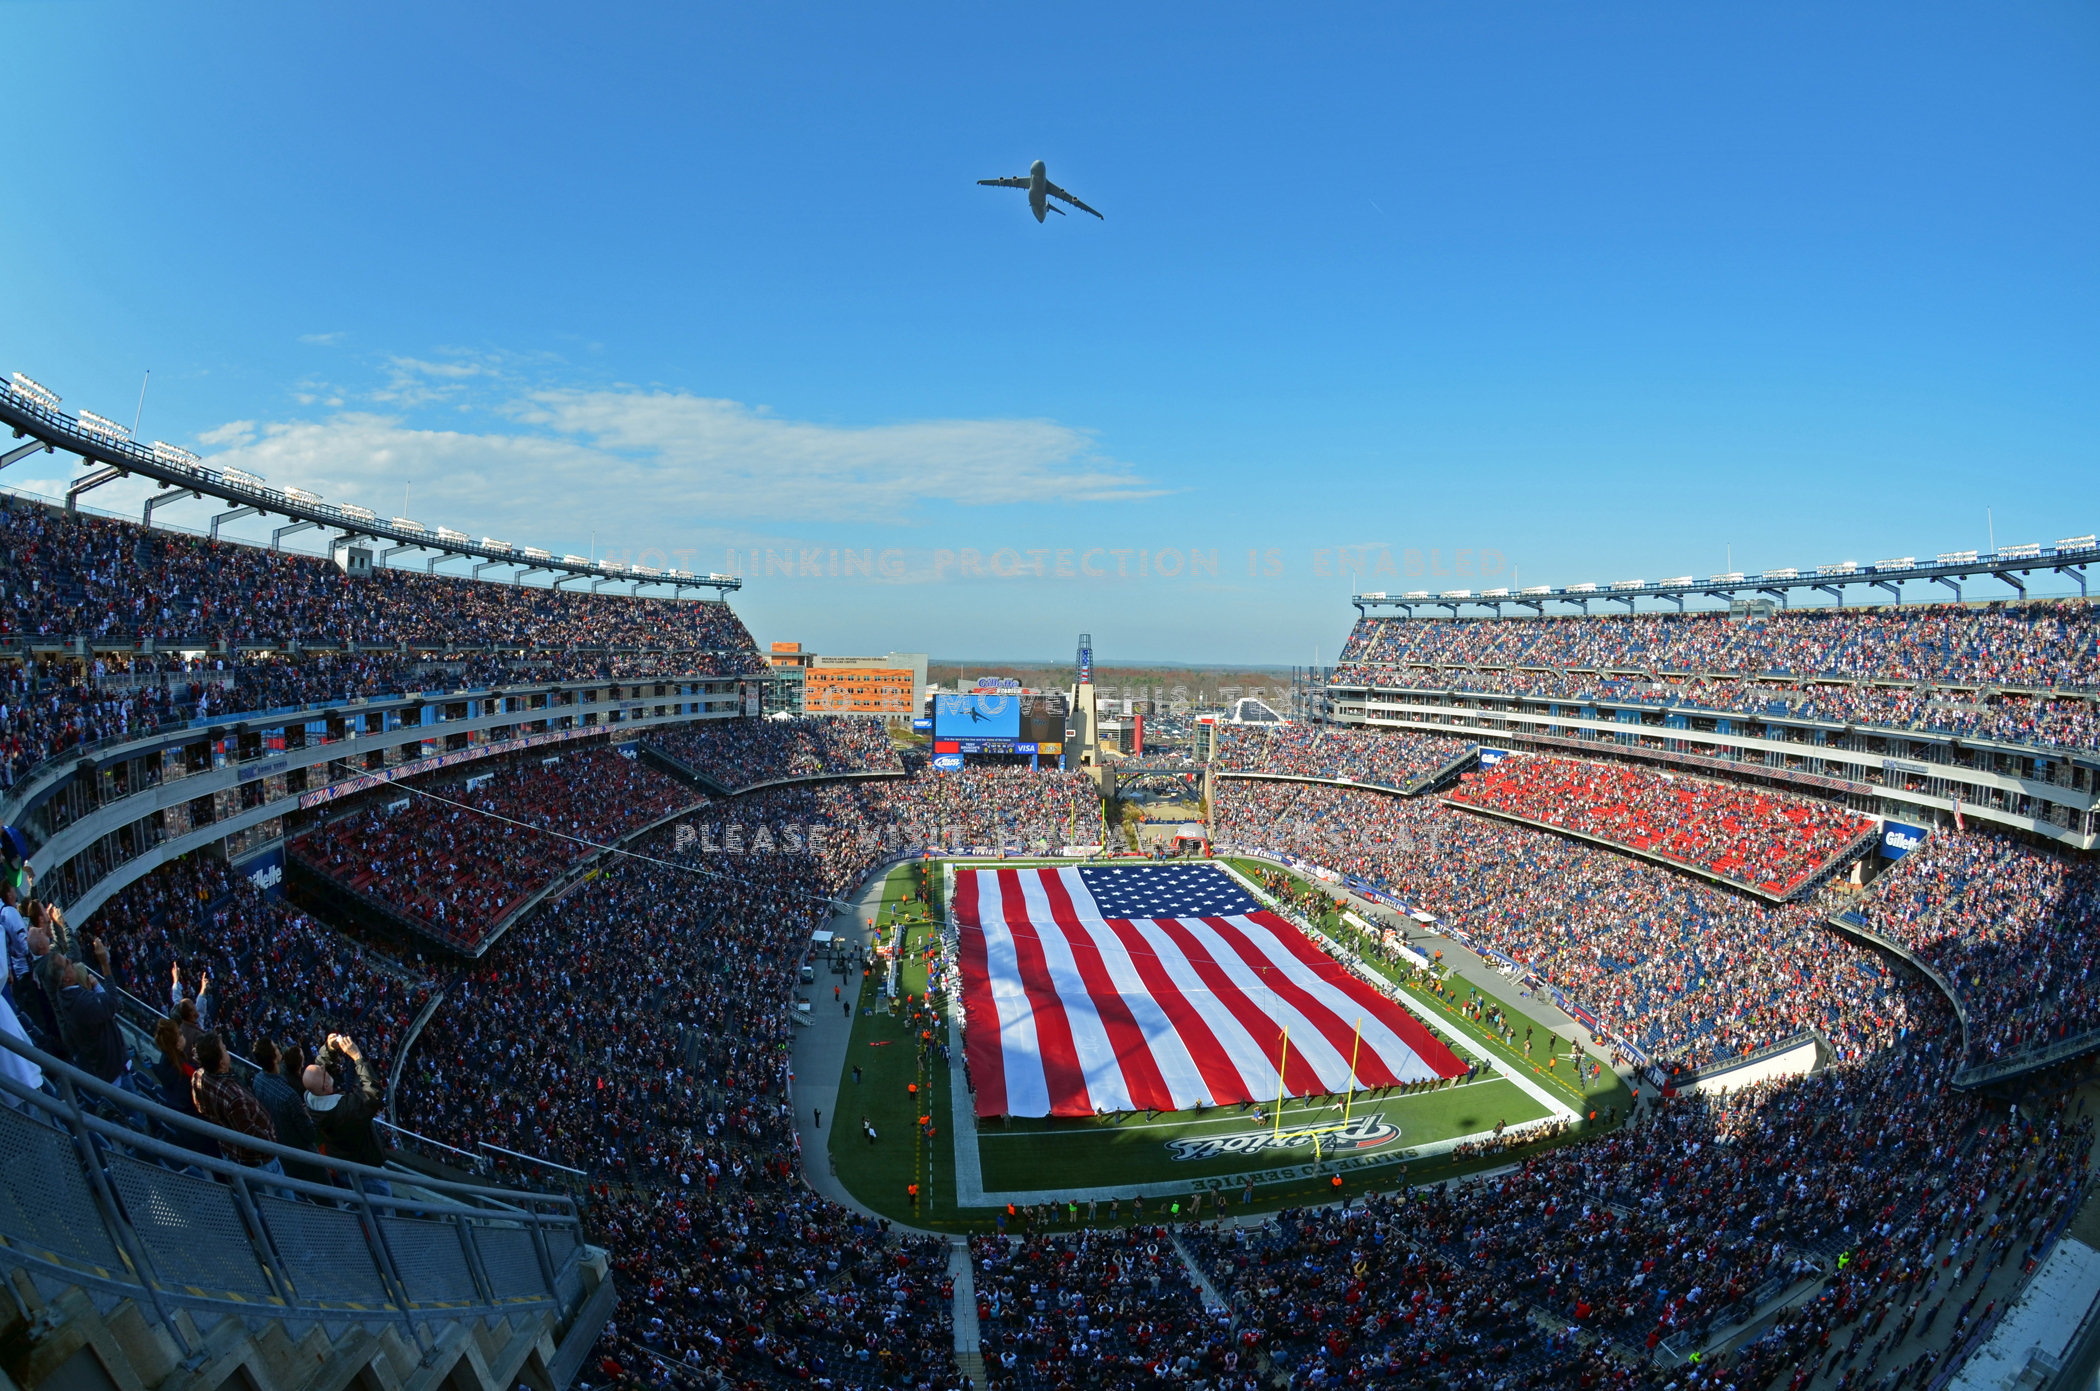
x=748, y=462
x=232, y=432
x=654, y=468
x=322, y=340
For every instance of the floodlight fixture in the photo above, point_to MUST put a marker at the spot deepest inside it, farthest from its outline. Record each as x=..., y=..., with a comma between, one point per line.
x=42, y=395
x=102, y=425
x=172, y=454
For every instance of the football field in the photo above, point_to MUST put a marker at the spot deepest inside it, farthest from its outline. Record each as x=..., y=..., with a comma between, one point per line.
x=969, y=1169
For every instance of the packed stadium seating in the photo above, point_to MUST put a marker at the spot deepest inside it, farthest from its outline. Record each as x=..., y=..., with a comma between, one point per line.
x=1111, y=1308
x=1685, y=1223
x=1333, y=751
x=736, y=754
x=2012, y=926
x=273, y=971
x=457, y=862
x=636, y=1029
x=1683, y=970
x=1771, y=667
x=1763, y=840
x=849, y=1303
x=74, y=576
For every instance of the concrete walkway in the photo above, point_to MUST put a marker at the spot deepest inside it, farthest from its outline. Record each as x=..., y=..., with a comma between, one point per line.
x=967, y=1341
x=820, y=1051
x=1212, y=1300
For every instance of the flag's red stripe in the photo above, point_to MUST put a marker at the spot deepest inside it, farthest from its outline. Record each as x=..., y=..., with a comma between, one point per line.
x=987, y=1062
x=1298, y=1076
x=1053, y=1032
x=1340, y=1033
x=1394, y=1015
x=1220, y=1077
x=1141, y=1074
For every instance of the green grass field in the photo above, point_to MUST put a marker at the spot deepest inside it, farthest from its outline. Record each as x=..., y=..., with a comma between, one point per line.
x=1108, y=1156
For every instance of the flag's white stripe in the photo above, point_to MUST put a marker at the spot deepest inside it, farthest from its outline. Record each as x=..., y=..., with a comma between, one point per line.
x=1027, y=1092
x=1177, y=1066
x=1103, y=1075
x=1253, y=1058
x=1378, y=1037
x=1083, y=902
x=1307, y=1042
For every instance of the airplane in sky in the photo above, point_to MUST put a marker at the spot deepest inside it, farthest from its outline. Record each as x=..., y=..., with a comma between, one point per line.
x=1040, y=192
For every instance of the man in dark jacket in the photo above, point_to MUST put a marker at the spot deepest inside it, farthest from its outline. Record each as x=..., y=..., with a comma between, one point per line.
x=87, y=1019
x=41, y=990
x=343, y=1115
x=286, y=1103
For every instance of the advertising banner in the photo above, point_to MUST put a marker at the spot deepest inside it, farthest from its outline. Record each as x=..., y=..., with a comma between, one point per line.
x=1899, y=839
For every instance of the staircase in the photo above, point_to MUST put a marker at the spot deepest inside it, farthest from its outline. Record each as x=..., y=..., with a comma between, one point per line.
x=133, y=1263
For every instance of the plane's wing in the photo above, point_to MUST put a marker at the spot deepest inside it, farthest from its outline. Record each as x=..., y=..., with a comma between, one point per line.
x=1055, y=192
x=1005, y=183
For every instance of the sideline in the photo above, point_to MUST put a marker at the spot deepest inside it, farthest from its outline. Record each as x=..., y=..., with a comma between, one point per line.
x=1554, y=1106
x=818, y=1058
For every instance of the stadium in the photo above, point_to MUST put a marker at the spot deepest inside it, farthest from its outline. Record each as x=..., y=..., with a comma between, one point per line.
x=1696, y=991
x=685, y=747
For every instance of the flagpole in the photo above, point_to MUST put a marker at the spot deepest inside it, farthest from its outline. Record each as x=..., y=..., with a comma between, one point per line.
x=1350, y=1100
x=1281, y=1058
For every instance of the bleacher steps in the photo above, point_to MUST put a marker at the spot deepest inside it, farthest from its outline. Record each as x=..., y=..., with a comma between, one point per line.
x=66, y=1343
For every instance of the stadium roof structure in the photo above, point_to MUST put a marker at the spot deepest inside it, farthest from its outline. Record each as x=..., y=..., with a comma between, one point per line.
x=32, y=411
x=2069, y=556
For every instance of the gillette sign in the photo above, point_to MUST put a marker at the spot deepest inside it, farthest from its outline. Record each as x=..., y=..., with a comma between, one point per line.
x=266, y=872
x=1363, y=1133
x=1898, y=840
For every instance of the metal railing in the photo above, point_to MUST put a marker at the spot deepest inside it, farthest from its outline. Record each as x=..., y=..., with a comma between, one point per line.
x=98, y=1189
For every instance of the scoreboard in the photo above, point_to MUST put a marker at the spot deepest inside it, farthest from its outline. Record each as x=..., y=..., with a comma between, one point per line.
x=999, y=722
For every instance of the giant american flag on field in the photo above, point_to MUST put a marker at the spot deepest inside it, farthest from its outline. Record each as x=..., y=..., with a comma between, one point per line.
x=1107, y=988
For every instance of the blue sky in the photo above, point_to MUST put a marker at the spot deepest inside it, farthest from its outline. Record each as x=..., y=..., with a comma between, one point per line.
x=1607, y=293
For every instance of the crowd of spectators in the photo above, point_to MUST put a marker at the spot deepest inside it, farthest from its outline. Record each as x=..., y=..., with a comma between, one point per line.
x=66, y=576
x=471, y=844
x=1684, y=970
x=990, y=808
x=637, y=1028
x=1949, y=664
x=736, y=754
x=1336, y=752
x=2048, y=721
x=1111, y=1307
x=1572, y=1266
x=2049, y=644
x=781, y=1290
x=254, y=966
x=1760, y=839
x=2012, y=926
